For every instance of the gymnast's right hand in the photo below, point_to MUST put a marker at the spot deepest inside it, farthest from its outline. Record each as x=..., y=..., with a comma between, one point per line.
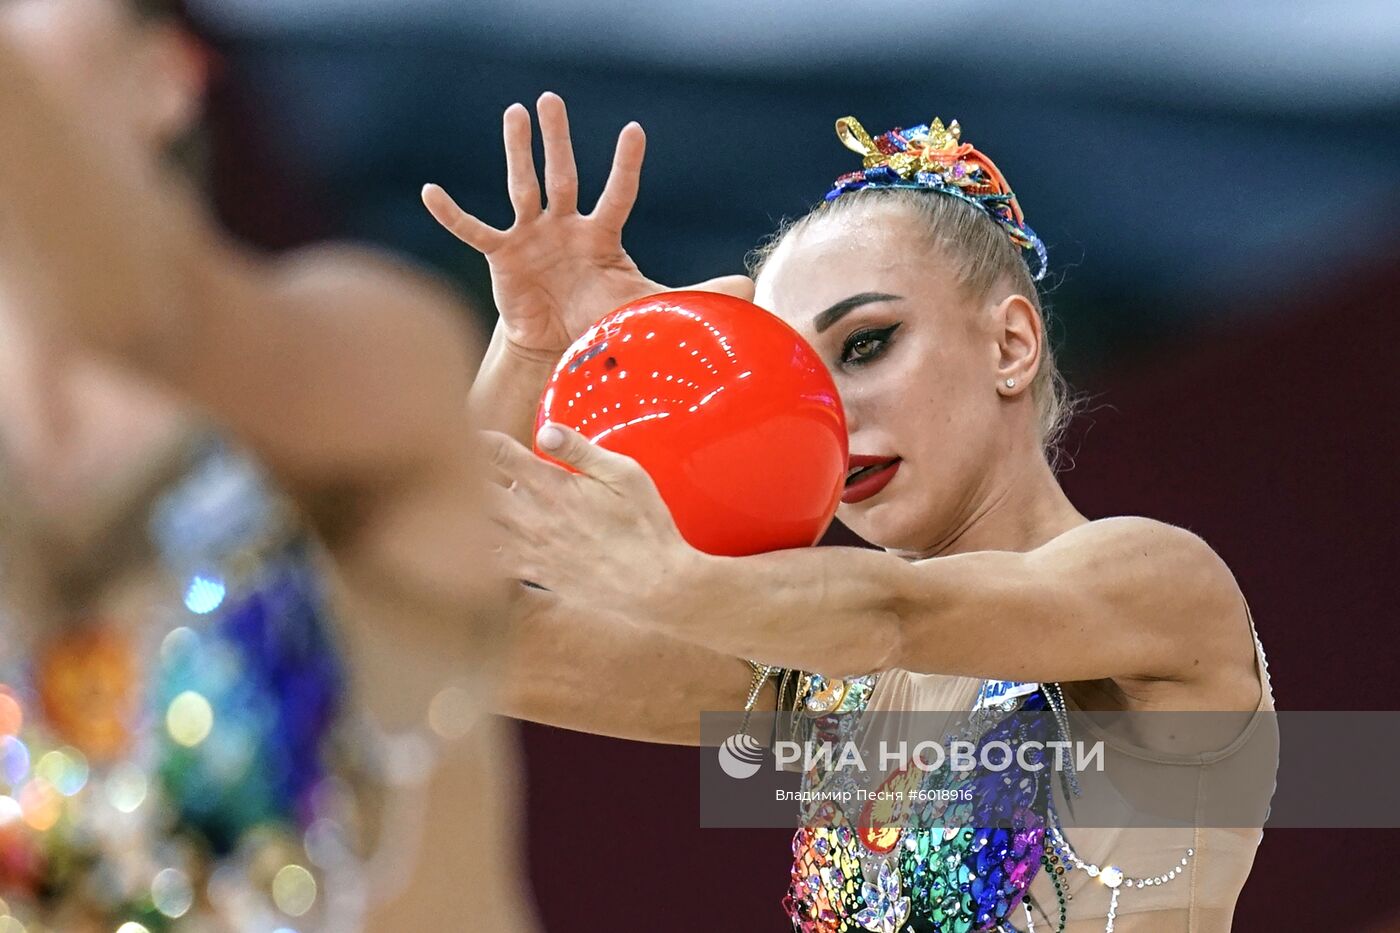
x=556, y=271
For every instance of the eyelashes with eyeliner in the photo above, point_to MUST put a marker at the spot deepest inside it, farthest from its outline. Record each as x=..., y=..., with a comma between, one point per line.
x=881, y=336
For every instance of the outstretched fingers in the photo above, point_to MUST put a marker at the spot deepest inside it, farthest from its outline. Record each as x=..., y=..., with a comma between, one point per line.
x=560, y=170
x=560, y=177
x=479, y=236
x=620, y=193
x=522, y=183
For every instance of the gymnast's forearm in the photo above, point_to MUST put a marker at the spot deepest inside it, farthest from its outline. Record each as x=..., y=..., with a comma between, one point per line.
x=506, y=392
x=593, y=671
x=1091, y=603
x=828, y=610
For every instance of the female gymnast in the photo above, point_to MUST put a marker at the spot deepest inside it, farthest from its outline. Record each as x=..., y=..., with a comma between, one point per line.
x=122, y=307
x=915, y=279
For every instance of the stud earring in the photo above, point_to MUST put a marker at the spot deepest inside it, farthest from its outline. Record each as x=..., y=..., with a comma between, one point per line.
x=1011, y=383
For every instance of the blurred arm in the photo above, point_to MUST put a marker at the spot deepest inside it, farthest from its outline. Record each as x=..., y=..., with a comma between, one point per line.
x=329, y=363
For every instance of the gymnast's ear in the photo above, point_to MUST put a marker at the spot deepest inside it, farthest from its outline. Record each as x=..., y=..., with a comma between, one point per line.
x=1018, y=333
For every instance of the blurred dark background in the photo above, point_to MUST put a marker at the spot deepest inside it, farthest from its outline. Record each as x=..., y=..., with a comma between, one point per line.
x=1218, y=186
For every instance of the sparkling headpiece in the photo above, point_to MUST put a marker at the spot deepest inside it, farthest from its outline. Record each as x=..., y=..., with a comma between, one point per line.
x=931, y=157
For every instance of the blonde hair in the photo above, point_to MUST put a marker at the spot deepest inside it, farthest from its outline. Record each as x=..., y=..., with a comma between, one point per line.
x=984, y=257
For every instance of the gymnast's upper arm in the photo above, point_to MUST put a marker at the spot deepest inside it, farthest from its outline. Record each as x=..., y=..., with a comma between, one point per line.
x=1120, y=597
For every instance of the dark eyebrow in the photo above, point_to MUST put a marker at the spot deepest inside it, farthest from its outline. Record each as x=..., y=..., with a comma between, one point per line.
x=845, y=306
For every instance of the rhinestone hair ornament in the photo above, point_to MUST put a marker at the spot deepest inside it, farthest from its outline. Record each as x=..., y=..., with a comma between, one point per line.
x=931, y=157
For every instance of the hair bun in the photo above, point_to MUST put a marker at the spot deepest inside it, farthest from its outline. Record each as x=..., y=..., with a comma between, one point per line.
x=932, y=157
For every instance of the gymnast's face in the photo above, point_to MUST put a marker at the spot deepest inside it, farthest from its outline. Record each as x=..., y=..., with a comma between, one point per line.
x=145, y=78
x=915, y=361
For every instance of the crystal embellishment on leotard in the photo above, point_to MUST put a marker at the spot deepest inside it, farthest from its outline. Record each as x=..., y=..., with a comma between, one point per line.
x=826, y=695
x=1111, y=876
x=886, y=907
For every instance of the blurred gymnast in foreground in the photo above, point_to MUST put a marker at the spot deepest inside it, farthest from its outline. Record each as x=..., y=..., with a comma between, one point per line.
x=127, y=317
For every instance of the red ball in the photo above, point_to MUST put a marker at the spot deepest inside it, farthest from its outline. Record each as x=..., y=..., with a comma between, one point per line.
x=729, y=410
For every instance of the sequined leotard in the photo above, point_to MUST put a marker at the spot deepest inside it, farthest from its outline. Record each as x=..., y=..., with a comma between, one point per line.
x=926, y=868
x=906, y=873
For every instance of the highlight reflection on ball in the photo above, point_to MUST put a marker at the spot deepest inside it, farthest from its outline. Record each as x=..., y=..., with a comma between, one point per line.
x=729, y=410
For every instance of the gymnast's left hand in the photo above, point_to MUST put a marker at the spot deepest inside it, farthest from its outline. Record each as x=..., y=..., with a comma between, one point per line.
x=602, y=537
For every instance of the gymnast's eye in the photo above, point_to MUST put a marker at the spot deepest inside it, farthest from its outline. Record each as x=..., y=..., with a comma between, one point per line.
x=864, y=346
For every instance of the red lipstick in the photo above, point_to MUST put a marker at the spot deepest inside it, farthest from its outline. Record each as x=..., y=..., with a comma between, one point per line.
x=866, y=475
